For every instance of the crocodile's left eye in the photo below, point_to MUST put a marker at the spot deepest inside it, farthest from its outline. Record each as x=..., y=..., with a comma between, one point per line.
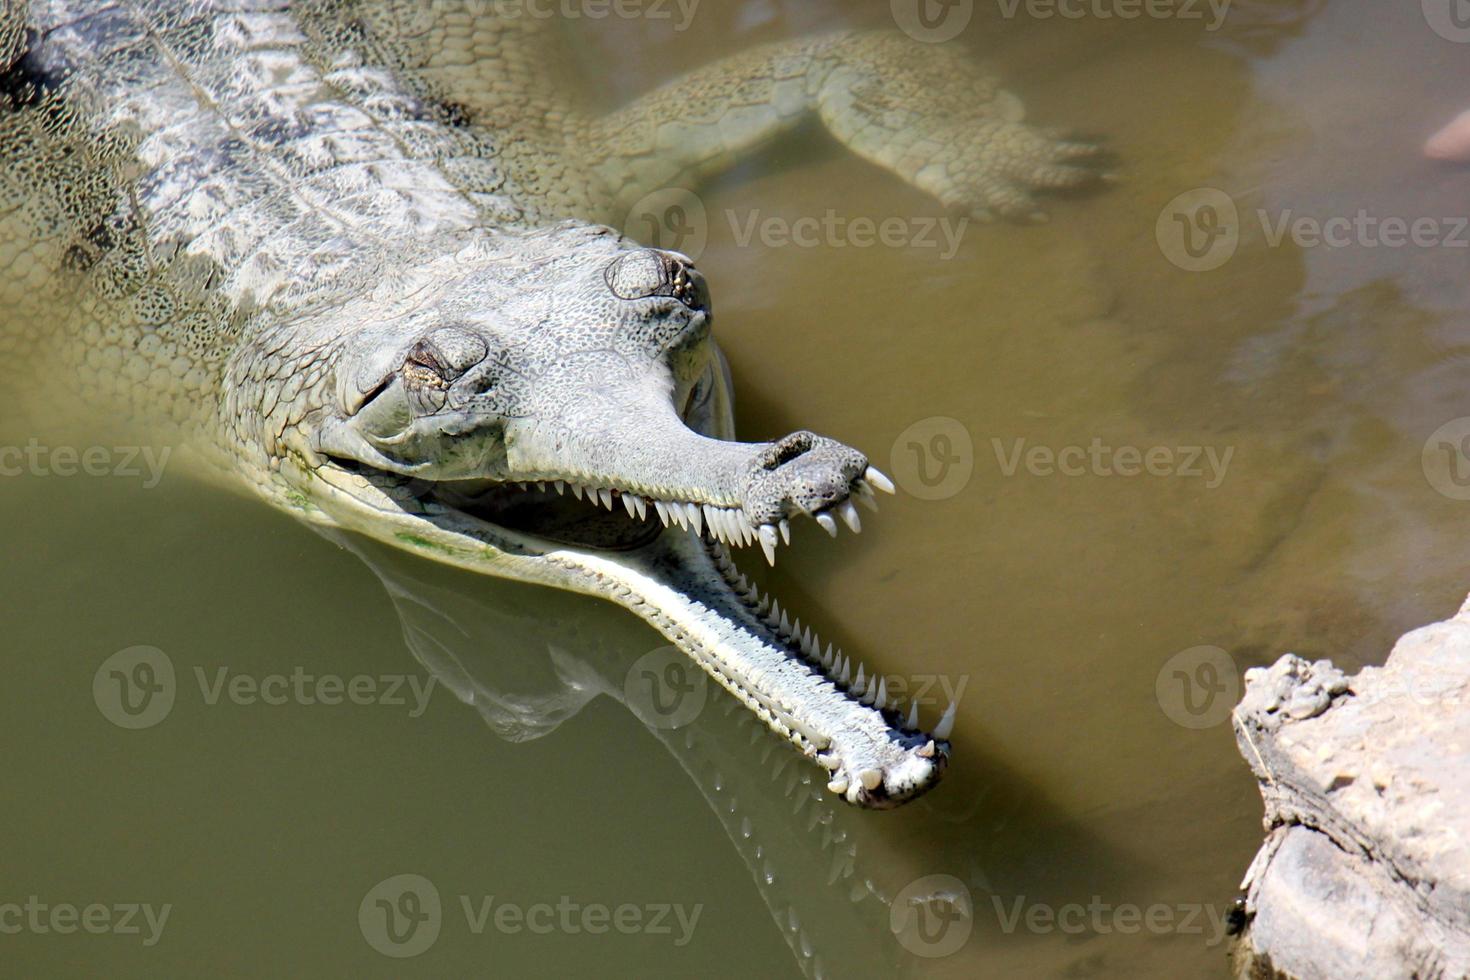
x=442, y=357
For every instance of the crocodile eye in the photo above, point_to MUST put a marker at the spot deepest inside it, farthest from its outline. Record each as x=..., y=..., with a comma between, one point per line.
x=437, y=361
x=650, y=272
x=636, y=275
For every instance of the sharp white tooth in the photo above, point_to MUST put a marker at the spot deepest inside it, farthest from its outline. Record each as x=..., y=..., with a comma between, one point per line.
x=663, y=512
x=629, y=506
x=877, y=479
x=861, y=684
x=786, y=530
x=696, y=517
x=768, y=543
x=870, y=778
x=561, y=487
x=865, y=496
x=925, y=751
x=849, y=516
x=642, y=506
x=838, y=785
x=842, y=675
x=828, y=524
x=711, y=522
x=785, y=623
x=577, y=490
x=880, y=701
x=946, y=722
x=827, y=657
x=605, y=495
x=912, y=724
x=806, y=640
x=541, y=485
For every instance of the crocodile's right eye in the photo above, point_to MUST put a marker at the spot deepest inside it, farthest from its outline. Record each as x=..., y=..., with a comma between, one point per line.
x=650, y=272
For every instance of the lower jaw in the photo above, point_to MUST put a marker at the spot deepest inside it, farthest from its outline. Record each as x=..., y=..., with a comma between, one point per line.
x=688, y=588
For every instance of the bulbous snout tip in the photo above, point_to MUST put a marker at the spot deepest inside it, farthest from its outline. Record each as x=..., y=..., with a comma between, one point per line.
x=803, y=473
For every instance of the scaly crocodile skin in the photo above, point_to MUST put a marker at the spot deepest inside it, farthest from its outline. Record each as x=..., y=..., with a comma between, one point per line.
x=168, y=169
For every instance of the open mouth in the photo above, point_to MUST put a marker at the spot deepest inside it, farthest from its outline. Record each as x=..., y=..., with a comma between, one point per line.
x=669, y=561
x=611, y=519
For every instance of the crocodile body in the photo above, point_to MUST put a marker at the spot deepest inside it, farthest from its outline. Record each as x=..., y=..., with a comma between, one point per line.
x=359, y=251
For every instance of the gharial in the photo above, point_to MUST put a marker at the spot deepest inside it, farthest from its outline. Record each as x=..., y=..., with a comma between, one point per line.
x=358, y=252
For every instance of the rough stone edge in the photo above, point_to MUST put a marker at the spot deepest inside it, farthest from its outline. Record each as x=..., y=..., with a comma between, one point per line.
x=1324, y=898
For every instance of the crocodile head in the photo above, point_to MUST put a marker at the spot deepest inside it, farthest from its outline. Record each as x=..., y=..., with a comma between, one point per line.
x=551, y=407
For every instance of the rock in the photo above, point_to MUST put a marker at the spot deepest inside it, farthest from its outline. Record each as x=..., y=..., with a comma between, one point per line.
x=1365, y=871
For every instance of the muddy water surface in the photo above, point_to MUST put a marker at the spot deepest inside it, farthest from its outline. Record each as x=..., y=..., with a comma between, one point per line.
x=1123, y=482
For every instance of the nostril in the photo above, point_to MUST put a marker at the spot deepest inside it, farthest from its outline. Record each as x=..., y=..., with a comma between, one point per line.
x=791, y=448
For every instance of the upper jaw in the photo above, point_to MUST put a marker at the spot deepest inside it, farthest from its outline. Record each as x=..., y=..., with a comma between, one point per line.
x=731, y=524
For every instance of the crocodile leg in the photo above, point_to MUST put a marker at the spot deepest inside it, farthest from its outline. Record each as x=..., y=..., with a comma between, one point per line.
x=926, y=113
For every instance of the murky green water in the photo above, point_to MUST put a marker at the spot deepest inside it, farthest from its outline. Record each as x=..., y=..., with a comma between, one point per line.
x=1098, y=817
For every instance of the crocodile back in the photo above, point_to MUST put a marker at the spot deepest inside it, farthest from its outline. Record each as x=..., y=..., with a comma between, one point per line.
x=173, y=173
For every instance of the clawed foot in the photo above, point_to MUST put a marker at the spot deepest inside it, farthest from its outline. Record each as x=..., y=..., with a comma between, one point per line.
x=931, y=115
x=993, y=168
